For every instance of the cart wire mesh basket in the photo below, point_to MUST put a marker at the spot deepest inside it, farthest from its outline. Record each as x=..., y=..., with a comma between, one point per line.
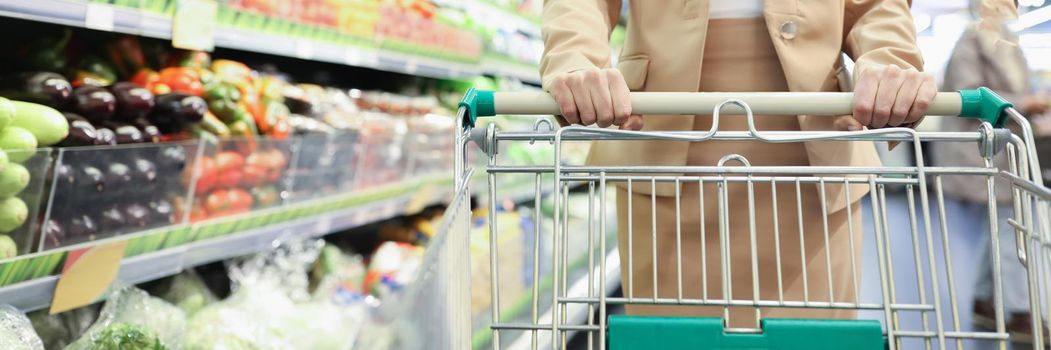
x=740, y=255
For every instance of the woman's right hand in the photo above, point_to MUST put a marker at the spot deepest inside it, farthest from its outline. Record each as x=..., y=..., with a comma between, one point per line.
x=595, y=96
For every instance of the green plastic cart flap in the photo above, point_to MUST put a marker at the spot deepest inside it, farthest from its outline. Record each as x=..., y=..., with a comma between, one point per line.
x=984, y=104
x=645, y=332
x=478, y=103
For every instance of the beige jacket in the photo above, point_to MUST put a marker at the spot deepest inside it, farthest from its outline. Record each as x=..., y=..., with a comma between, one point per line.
x=987, y=58
x=665, y=46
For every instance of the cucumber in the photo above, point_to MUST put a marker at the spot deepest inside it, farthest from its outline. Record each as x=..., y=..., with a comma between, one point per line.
x=20, y=144
x=46, y=124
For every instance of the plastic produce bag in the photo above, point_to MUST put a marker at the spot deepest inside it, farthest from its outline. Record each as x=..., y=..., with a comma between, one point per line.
x=16, y=332
x=188, y=292
x=59, y=330
x=134, y=320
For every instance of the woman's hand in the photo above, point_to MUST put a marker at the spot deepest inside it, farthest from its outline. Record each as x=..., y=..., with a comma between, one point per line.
x=889, y=96
x=595, y=96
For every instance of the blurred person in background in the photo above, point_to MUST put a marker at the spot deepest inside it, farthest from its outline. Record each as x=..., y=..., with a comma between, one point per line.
x=988, y=55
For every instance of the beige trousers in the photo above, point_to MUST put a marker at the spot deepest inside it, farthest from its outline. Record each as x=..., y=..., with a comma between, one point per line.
x=739, y=56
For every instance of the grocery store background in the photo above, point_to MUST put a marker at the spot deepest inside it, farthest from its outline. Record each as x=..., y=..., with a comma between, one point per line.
x=267, y=174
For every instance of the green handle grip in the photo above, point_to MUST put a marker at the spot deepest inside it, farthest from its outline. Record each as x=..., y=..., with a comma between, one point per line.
x=982, y=103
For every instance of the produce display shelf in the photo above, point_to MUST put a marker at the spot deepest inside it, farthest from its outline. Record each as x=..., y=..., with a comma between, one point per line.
x=37, y=293
x=79, y=13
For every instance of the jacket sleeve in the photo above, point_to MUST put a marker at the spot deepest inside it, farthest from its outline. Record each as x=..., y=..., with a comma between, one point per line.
x=879, y=33
x=576, y=35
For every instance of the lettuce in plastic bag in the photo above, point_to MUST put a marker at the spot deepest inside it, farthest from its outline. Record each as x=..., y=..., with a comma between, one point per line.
x=16, y=332
x=134, y=320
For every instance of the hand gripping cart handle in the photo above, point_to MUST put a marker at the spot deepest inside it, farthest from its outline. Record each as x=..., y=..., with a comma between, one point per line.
x=882, y=320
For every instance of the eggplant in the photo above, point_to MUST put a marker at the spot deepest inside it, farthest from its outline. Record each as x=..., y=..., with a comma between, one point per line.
x=90, y=179
x=81, y=225
x=173, y=111
x=150, y=132
x=54, y=233
x=118, y=178
x=137, y=215
x=128, y=134
x=133, y=101
x=45, y=88
x=95, y=103
x=105, y=136
x=143, y=171
x=172, y=160
x=161, y=211
x=81, y=133
x=112, y=219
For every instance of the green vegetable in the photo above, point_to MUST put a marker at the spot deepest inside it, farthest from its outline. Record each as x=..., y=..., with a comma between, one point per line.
x=124, y=336
x=7, y=112
x=8, y=248
x=19, y=143
x=13, y=213
x=47, y=124
x=13, y=179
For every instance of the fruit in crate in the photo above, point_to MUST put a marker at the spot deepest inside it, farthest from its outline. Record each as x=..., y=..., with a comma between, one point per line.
x=13, y=213
x=82, y=226
x=8, y=248
x=13, y=179
x=112, y=219
x=54, y=233
x=20, y=144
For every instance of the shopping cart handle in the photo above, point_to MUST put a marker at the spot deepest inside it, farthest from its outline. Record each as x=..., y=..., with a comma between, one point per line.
x=981, y=103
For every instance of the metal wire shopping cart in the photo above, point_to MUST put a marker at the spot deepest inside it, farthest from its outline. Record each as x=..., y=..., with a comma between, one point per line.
x=881, y=322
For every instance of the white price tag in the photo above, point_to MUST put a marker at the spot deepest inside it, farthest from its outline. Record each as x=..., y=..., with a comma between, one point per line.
x=304, y=49
x=99, y=17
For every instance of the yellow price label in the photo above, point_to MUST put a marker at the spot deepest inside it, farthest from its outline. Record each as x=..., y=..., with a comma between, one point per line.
x=86, y=275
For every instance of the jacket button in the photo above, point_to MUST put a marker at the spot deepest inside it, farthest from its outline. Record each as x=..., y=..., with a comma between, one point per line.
x=788, y=30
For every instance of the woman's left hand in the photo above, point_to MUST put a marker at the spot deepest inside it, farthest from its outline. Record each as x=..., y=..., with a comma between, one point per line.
x=889, y=96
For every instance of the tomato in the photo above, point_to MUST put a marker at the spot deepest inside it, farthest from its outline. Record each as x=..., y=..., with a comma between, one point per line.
x=265, y=196
x=254, y=175
x=229, y=160
x=240, y=200
x=197, y=213
x=230, y=178
x=145, y=77
x=182, y=79
x=218, y=201
x=206, y=178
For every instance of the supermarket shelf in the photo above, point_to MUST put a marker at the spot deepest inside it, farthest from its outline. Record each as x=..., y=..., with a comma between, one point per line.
x=37, y=294
x=79, y=13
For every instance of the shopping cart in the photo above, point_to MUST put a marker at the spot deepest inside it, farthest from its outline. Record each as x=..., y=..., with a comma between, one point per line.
x=435, y=313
